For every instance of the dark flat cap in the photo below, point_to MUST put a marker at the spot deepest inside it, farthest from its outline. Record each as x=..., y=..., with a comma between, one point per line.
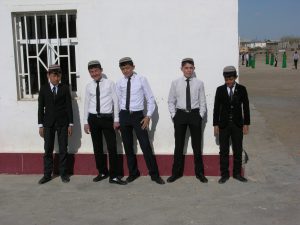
x=187, y=60
x=229, y=71
x=125, y=59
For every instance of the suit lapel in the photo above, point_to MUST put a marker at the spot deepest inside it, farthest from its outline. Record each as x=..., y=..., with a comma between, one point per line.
x=58, y=90
x=236, y=89
x=226, y=92
x=49, y=89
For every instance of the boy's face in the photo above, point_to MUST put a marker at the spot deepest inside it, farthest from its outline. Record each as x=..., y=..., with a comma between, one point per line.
x=229, y=81
x=54, y=78
x=127, y=70
x=188, y=70
x=96, y=73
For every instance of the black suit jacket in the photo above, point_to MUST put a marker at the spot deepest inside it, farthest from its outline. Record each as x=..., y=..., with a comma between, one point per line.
x=58, y=110
x=240, y=103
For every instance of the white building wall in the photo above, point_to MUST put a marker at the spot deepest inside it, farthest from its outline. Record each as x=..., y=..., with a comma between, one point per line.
x=157, y=34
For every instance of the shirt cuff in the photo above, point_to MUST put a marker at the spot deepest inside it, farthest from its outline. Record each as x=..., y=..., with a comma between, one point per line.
x=149, y=115
x=71, y=124
x=41, y=125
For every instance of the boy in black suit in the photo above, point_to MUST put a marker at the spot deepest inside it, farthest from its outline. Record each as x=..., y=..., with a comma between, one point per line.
x=55, y=115
x=231, y=120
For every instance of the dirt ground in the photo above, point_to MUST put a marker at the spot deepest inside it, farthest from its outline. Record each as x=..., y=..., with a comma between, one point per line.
x=275, y=93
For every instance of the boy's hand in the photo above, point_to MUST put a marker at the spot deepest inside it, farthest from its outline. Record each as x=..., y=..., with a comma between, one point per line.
x=116, y=125
x=145, y=122
x=216, y=130
x=41, y=131
x=69, y=131
x=87, y=128
x=245, y=129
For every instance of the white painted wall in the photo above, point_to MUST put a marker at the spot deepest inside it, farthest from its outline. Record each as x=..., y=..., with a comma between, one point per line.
x=157, y=34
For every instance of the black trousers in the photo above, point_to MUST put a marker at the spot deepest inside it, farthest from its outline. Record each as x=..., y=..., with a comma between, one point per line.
x=235, y=133
x=182, y=120
x=99, y=126
x=49, y=137
x=295, y=63
x=130, y=121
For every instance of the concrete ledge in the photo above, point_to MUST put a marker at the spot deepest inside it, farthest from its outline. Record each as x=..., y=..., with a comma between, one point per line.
x=84, y=164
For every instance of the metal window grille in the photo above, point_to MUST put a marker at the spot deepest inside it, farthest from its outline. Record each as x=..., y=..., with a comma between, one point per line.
x=42, y=39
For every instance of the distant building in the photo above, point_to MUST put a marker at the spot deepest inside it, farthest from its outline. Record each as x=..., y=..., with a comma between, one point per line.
x=289, y=46
x=252, y=44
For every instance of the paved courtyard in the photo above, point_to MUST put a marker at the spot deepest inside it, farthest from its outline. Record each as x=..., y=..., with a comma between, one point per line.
x=272, y=195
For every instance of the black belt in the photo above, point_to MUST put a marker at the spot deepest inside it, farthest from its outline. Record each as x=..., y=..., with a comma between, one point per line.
x=187, y=111
x=131, y=112
x=102, y=115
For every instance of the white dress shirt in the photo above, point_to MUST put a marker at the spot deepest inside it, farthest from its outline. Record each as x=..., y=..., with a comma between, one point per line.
x=52, y=86
x=177, y=95
x=139, y=90
x=228, y=90
x=108, y=99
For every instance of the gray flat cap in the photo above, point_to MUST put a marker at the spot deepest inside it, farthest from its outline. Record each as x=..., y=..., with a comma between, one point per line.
x=54, y=67
x=187, y=60
x=229, y=71
x=94, y=63
x=125, y=59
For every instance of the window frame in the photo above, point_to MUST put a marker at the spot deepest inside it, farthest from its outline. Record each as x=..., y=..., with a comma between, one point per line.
x=53, y=55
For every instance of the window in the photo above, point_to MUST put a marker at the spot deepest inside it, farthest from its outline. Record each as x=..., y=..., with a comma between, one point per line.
x=42, y=39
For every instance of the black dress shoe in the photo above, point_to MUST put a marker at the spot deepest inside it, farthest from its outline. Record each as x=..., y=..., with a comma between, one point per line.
x=44, y=180
x=172, y=178
x=65, y=179
x=223, y=179
x=158, y=180
x=117, y=180
x=100, y=177
x=202, y=178
x=240, y=178
x=131, y=178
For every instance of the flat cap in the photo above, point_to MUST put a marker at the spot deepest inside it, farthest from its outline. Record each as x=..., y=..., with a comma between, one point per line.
x=229, y=71
x=187, y=60
x=125, y=59
x=54, y=68
x=94, y=63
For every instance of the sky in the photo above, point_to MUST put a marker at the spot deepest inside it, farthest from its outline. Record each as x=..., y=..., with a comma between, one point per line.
x=268, y=19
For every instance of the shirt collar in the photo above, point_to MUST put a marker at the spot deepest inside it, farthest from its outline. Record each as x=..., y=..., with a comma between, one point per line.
x=52, y=86
x=190, y=78
x=233, y=87
x=132, y=76
x=101, y=79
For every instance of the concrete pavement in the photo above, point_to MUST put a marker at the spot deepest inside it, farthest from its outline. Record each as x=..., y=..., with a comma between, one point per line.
x=272, y=195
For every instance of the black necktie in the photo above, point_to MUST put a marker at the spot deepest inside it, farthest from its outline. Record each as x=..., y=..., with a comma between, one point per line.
x=230, y=93
x=54, y=92
x=98, y=97
x=188, y=95
x=128, y=94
